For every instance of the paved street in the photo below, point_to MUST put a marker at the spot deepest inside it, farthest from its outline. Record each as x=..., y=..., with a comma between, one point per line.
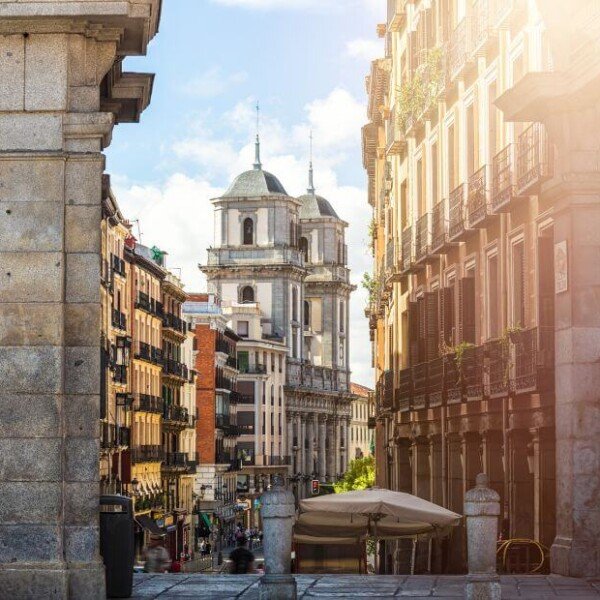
x=221, y=587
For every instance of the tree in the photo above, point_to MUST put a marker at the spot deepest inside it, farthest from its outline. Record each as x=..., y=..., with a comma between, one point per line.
x=359, y=476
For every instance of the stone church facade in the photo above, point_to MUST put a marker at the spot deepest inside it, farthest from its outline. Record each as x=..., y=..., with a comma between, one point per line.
x=284, y=258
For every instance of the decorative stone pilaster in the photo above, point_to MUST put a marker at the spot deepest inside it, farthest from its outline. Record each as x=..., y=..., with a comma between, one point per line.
x=277, y=513
x=482, y=509
x=322, y=448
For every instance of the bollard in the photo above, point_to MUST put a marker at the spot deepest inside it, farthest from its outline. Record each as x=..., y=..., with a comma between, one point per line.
x=482, y=509
x=278, y=510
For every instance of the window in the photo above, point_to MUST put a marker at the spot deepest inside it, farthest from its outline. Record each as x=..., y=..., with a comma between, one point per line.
x=471, y=141
x=434, y=174
x=342, y=317
x=248, y=234
x=247, y=295
x=419, y=187
x=306, y=313
x=242, y=328
x=304, y=248
x=492, y=122
x=451, y=159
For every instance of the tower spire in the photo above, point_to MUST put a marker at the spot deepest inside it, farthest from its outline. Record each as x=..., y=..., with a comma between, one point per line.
x=257, y=163
x=311, y=184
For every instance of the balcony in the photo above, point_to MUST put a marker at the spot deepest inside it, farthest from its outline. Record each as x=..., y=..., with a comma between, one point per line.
x=395, y=136
x=143, y=302
x=459, y=48
x=420, y=386
x=177, y=462
x=147, y=403
x=396, y=14
x=120, y=374
x=422, y=238
x=457, y=226
x=307, y=376
x=222, y=421
x=436, y=381
x=108, y=436
x=407, y=250
x=245, y=429
x=534, y=160
x=253, y=369
x=478, y=201
x=482, y=28
x=147, y=453
x=405, y=391
x=272, y=461
x=503, y=179
x=118, y=265
x=385, y=389
x=174, y=368
x=245, y=399
x=119, y=320
x=472, y=372
x=439, y=228
x=533, y=361
x=175, y=415
x=251, y=255
x=174, y=323
x=497, y=352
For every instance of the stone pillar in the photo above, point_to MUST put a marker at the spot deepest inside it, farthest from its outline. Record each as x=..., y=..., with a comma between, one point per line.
x=521, y=499
x=54, y=123
x=347, y=443
x=290, y=436
x=322, y=449
x=482, y=508
x=301, y=442
x=278, y=510
x=331, y=448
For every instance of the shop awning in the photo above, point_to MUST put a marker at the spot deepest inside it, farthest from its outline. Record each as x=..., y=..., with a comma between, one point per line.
x=149, y=524
x=206, y=520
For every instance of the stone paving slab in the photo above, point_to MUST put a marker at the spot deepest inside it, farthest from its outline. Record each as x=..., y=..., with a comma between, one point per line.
x=245, y=587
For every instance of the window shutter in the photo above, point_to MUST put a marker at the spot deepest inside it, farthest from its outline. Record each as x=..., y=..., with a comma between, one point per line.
x=466, y=307
x=433, y=330
x=447, y=316
x=422, y=310
x=413, y=333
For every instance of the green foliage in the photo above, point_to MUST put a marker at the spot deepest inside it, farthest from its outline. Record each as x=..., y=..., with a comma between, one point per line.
x=417, y=94
x=359, y=476
x=372, y=234
x=370, y=284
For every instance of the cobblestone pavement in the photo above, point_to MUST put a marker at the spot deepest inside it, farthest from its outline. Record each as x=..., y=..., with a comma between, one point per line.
x=245, y=587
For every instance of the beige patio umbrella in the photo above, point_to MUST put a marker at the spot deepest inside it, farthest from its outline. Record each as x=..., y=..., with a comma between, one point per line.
x=388, y=514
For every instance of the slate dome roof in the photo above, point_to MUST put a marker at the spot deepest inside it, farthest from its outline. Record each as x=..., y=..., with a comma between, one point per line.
x=314, y=206
x=255, y=183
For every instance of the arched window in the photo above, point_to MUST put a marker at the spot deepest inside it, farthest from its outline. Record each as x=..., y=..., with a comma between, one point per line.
x=306, y=313
x=247, y=294
x=293, y=234
x=304, y=248
x=248, y=232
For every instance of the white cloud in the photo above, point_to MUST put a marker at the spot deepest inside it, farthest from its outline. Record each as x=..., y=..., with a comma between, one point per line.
x=214, y=82
x=176, y=214
x=364, y=49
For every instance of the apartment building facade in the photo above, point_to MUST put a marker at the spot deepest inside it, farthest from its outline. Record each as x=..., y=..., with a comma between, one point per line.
x=362, y=425
x=115, y=396
x=462, y=295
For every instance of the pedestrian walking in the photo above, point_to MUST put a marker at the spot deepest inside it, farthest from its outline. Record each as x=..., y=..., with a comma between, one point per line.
x=242, y=560
x=156, y=556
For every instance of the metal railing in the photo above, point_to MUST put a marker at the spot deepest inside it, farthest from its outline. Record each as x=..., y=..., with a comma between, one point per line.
x=478, y=197
x=439, y=227
x=534, y=164
x=147, y=453
x=407, y=249
x=422, y=238
x=503, y=178
x=459, y=48
x=456, y=226
x=148, y=403
x=119, y=320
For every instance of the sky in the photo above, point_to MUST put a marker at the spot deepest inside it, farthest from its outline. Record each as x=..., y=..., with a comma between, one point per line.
x=305, y=61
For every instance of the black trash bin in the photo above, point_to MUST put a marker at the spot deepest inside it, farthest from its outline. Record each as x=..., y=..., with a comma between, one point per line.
x=117, y=544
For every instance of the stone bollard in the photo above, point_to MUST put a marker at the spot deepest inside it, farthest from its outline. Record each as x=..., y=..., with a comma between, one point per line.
x=278, y=510
x=482, y=509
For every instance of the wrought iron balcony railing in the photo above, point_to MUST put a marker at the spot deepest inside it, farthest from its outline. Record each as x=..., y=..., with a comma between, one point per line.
x=405, y=391
x=503, y=179
x=459, y=48
x=148, y=403
x=422, y=233
x=420, y=386
x=472, y=370
x=534, y=159
x=457, y=225
x=478, y=204
x=119, y=320
x=497, y=352
x=147, y=453
x=439, y=227
x=482, y=28
x=407, y=249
